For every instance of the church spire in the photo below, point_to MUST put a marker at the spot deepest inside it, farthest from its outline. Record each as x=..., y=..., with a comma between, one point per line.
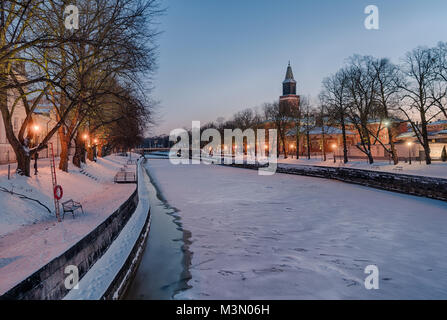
x=289, y=83
x=289, y=73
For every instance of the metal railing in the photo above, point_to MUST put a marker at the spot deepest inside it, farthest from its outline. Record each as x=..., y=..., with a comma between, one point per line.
x=125, y=177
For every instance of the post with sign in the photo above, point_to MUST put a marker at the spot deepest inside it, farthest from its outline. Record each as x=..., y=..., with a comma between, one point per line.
x=57, y=189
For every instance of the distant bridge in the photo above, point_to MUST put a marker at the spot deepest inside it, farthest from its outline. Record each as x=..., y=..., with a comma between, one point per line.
x=144, y=151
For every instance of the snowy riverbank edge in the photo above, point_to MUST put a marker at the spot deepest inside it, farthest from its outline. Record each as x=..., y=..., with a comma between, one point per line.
x=110, y=275
x=422, y=186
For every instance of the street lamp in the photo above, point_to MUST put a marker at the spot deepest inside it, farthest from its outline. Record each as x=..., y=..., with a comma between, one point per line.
x=291, y=146
x=334, y=147
x=409, y=151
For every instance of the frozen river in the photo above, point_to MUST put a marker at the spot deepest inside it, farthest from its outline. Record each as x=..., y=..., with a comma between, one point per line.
x=293, y=237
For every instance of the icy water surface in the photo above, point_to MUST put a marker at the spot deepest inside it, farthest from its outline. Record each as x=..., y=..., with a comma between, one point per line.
x=163, y=270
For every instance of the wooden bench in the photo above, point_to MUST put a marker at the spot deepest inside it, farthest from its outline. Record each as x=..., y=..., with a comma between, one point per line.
x=71, y=206
x=398, y=168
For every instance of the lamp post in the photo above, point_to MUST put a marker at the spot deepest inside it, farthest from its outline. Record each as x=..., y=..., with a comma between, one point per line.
x=292, y=146
x=334, y=147
x=409, y=151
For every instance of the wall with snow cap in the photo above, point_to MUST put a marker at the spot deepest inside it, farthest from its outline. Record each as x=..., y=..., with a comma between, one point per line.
x=435, y=188
x=113, y=272
x=48, y=282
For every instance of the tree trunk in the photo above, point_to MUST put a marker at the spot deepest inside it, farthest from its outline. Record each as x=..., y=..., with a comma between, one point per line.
x=283, y=138
x=370, y=157
x=345, y=148
x=90, y=153
x=99, y=150
x=65, y=145
x=392, y=147
x=426, y=142
x=22, y=156
x=324, y=149
x=78, y=155
x=308, y=144
x=77, y=159
x=23, y=163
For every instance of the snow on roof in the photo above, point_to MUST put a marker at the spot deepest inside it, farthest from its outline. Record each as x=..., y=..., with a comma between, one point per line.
x=408, y=134
x=437, y=133
x=438, y=122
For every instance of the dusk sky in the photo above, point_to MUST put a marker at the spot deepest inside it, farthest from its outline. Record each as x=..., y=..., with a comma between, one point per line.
x=219, y=57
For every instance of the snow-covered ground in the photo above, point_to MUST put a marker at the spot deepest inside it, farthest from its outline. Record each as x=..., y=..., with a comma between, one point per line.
x=436, y=169
x=294, y=237
x=30, y=236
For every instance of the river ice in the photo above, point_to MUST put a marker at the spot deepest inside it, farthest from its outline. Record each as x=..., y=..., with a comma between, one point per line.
x=293, y=237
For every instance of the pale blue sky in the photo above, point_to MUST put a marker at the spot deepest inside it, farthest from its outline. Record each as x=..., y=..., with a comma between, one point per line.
x=217, y=57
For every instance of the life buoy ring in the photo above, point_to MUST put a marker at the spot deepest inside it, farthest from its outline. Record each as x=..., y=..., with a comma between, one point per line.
x=58, y=192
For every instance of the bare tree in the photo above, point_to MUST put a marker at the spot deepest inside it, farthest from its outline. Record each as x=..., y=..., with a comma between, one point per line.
x=362, y=104
x=40, y=59
x=439, y=89
x=24, y=77
x=296, y=116
x=281, y=121
x=419, y=66
x=308, y=123
x=335, y=96
x=388, y=78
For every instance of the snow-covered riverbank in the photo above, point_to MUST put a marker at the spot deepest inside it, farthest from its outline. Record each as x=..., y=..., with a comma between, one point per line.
x=30, y=237
x=437, y=169
x=293, y=237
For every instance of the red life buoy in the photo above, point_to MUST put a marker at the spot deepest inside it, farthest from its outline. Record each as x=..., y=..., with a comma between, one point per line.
x=58, y=192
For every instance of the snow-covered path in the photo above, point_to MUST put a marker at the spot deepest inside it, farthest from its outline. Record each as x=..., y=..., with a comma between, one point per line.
x=293, y=237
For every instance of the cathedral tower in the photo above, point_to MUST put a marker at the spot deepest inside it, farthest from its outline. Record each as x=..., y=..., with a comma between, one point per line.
x=289, y=102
